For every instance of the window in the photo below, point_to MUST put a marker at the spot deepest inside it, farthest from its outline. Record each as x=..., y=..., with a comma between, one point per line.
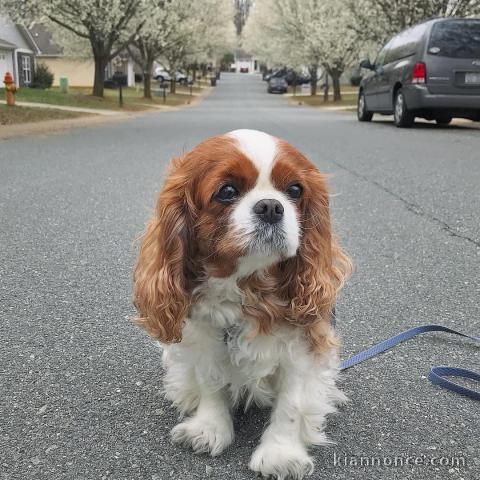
x=26, y=69
x=380, y=60
x=456, y=39
x=406, y=43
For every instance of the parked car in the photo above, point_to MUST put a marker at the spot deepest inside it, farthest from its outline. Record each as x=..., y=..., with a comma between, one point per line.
x=277, y=85
x=162, y=75
x=292, y=77
x=243, y=69
x=431, y=70
x=269, y=75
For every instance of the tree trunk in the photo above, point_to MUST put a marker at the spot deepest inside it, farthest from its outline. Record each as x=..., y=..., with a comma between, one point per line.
x=173, y=85
x=313, y=79
x=337, y=94
x=147, y=79
x=99, y=78
x=326, y=89
x=147, y=84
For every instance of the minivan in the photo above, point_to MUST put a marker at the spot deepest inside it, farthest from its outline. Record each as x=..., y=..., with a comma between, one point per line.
x=431, y=70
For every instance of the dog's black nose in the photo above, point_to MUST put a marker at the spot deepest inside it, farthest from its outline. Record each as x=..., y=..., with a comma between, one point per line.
x=269, y=210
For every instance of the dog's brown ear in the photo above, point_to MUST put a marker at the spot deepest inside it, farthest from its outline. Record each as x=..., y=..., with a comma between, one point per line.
x=160, y=285
x=310, y=280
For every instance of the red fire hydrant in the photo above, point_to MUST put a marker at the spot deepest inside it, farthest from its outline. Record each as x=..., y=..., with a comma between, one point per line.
x=10, y=89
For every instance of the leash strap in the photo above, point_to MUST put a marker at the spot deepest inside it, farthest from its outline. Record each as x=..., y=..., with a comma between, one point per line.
x=437, y=374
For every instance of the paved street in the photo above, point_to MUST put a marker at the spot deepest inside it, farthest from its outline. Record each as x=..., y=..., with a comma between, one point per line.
x=80, y=386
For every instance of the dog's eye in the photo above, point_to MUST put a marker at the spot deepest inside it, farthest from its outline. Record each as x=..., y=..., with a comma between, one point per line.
x=226, y=194
x=295, y=191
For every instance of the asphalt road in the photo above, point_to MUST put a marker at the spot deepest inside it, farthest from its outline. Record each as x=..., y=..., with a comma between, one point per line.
x=80, y=389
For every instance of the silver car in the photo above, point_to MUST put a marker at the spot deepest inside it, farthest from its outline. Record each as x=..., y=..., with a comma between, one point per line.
x=431, y=70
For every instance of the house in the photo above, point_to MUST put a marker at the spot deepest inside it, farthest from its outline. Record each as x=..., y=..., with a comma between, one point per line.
x=244, y=62
x=17, y=52
x=78, y=70
x=21, y=48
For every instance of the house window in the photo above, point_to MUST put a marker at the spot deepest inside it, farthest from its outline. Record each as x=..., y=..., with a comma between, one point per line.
x=27, y=69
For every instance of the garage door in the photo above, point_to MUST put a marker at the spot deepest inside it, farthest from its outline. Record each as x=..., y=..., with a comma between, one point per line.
x=6, y=64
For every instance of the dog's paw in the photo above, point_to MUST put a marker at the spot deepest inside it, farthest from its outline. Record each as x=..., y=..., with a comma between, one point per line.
x=281, y=461
x=204, y=436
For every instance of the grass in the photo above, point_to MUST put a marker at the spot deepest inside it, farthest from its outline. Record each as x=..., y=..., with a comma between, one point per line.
x=349, y=99
x=81, y=97
x=15, y=115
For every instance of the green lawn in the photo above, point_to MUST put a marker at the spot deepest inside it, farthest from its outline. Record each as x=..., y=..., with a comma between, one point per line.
x=13, y=115
x=81, y=97
x=349, y=98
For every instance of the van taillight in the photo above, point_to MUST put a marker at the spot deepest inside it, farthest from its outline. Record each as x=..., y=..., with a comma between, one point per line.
x=419, y=73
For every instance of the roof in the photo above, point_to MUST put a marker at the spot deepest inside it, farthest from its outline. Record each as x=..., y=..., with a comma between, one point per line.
x=43, y=39
x=28, y=37
x=7, y=45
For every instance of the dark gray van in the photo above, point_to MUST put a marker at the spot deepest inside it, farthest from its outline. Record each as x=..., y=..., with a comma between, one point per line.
x=431, y=70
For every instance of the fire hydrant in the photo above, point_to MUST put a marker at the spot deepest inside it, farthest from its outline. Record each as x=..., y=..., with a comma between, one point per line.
x=10, y=89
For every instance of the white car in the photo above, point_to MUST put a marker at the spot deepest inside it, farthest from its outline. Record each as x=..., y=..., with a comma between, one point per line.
x=162, y=75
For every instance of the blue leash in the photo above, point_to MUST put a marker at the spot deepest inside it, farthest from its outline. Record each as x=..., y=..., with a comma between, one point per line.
x=437, y=374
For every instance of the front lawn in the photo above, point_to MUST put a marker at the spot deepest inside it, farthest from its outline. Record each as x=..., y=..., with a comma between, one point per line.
x=349, y=98
x=81, y=97
x=14, y=115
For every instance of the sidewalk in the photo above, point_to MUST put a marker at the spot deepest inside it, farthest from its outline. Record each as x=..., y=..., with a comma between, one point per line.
x=96, y=111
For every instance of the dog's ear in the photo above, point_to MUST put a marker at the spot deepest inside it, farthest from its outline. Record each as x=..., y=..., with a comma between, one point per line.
x=161, y=292
x=310, y=280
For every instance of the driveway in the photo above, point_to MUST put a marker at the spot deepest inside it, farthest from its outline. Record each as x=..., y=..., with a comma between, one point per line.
x=80, y=385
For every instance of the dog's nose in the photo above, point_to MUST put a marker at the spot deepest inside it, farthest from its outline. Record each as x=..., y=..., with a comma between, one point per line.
x=269, y=210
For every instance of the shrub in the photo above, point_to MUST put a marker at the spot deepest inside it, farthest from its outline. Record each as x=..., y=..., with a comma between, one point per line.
x=355, y=80
x=43, y=77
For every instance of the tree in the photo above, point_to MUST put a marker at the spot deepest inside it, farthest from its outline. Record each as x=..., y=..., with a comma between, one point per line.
x=200, y=31
x=242, y=9
x=155, y=37
x=379, y=20
x=108, y=25
x=292, y=32
x=339, y=44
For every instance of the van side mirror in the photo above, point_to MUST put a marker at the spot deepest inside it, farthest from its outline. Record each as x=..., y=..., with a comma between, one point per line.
x=367, y=64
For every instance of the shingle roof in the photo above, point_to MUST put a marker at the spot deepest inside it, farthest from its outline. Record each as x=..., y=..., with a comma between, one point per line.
x=43, y=39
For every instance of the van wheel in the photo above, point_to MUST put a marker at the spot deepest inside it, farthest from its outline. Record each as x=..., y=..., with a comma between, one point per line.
x=443, y=120
x=362, y=113
x=402, y=116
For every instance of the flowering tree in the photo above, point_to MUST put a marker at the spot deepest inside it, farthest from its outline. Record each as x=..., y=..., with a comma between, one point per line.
x=313, y=33
x=155, y=37
x=340, y=45
x=378, y=20
x=108, y=25
x=198, y=32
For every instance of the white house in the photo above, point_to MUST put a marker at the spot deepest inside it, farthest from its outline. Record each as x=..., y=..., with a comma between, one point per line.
x=17, y=52
x=245, y=63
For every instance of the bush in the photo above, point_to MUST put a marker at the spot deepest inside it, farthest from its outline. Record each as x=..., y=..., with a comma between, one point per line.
x=43, y=77
x=355, y=80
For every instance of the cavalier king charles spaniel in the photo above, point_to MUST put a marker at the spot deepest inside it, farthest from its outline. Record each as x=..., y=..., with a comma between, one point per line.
x=237, y=277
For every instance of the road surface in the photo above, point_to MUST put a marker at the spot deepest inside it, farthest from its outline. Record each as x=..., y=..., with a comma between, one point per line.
x=80, y=389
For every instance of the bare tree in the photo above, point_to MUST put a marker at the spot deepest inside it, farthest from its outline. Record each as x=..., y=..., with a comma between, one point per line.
x=242, y=9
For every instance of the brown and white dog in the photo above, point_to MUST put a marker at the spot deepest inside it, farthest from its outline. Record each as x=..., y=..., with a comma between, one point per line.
x=237, y=277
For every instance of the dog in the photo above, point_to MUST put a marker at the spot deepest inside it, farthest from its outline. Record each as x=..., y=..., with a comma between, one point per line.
x=237, y=276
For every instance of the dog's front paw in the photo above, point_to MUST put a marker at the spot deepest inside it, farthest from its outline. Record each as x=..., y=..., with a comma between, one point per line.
x=204, y=436
x=281, y=461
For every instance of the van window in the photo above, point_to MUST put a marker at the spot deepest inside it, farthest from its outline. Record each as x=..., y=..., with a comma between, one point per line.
x=456, y=38
x=406, y=43
x=381, y=57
